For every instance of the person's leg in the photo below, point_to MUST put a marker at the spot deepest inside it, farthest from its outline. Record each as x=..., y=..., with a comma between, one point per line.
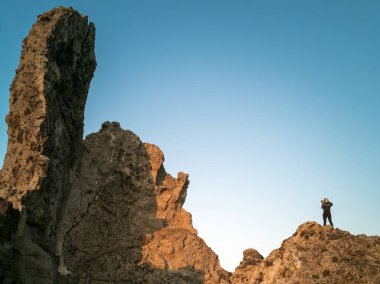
x=330, y=221
x=324, y=219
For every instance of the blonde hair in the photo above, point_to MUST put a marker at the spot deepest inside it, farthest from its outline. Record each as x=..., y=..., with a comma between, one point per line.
x=325, y=200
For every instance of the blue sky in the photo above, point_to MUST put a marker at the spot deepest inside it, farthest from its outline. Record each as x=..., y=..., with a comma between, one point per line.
x=268, y=105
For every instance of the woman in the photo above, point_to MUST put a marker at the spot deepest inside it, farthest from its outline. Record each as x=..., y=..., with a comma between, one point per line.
x=326, y=205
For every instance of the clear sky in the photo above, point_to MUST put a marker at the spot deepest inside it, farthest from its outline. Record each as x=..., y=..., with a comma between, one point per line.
x=268, y=105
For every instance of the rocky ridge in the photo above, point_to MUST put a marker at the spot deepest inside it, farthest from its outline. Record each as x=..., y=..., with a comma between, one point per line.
x=315, y=254
x=104, y=209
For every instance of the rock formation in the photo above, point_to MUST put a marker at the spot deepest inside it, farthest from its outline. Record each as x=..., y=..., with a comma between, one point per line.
x=48, y=96
x=123, y=198
x=315, y=254
x=45, y=129
x=93, y=211
x=103, y=209
x=176, y=246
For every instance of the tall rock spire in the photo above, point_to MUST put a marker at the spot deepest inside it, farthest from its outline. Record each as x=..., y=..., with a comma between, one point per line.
x=48, y=96
x=102, y=209
x=45, y=129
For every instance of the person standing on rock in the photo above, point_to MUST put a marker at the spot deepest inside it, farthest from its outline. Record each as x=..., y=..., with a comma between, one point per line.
x=326, y=205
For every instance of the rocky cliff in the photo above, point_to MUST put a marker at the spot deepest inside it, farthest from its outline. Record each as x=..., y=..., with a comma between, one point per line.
x=104, y=209
x=45, y=129
x=124, y=220
x=314, y=254
x=93, y=211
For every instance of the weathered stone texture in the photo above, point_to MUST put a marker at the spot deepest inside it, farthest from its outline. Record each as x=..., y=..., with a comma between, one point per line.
x=170, y=192
x=316, y=254
x=45, y=129
x=115, y=214
x=104, y=210
x=76, y=211
x=177, y=246
x=48, y=96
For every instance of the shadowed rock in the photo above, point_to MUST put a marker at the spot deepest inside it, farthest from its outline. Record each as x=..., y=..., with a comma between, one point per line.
x=124, y=219
x=48, y=96
x=45, y=128
x=74, y=211
x=104, y=210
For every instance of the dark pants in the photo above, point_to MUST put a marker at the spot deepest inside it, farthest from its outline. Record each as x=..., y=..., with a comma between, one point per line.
x=325, y=216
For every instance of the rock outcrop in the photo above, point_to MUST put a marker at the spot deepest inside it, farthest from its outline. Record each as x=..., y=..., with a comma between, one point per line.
x=48, y=96
x=45, y=129
x=176, y=246
x=123, y=198
x=104, y=209
x=93, y=211
x=315, y=254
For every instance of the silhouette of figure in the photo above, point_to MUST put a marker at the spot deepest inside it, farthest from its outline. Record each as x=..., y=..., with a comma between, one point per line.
x=326, y=205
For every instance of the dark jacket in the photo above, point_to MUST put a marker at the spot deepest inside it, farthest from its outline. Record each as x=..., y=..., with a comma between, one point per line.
x=326, y=207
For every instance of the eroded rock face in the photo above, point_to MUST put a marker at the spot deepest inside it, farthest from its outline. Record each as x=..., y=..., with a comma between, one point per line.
x=316, y=254
x=48, y=96
x=251, y=259
x=84, y=212
x=170, y=192
x=93, y=211
x=176, y=246
x=124, y=220
x=104, y=210
x=45, y=129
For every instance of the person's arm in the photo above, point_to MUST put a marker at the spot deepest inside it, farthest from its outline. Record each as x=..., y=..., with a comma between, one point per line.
x=322, y=204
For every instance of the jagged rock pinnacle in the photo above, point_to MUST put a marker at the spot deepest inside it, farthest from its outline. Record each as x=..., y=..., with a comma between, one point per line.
x=45, y=129
x=48, y=96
